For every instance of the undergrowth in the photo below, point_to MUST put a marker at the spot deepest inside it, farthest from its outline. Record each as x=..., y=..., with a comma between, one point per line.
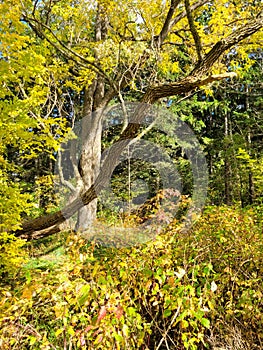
x=200, y=290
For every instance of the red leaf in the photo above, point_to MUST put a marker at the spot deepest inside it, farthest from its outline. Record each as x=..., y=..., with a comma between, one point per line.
x=119, y=312
x=88, y=328
x=102, y=313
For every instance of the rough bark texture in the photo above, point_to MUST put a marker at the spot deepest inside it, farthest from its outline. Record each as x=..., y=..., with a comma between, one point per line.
x=91, y=132
x=90, y=157
x=198, y=77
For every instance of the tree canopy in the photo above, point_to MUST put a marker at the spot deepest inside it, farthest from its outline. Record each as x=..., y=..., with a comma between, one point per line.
x=63, y=60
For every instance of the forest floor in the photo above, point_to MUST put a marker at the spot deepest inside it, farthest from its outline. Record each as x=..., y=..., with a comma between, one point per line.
x=201, y=290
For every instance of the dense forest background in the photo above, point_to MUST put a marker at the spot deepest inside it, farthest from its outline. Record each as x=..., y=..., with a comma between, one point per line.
x=81, y=271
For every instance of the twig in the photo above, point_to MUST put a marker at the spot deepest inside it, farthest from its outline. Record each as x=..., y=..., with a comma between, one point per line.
x=170, y=326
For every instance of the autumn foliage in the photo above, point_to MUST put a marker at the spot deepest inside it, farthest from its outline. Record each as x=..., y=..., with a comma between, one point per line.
x=199, y=290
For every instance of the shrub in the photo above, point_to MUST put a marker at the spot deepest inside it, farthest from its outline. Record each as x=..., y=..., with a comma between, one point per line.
x=11, y=255
x=180, y=291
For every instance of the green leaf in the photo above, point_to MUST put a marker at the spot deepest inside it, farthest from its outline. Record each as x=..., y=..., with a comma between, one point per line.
x=205, y=322
x=167, y=313
x=84, y=295
x=118, y=337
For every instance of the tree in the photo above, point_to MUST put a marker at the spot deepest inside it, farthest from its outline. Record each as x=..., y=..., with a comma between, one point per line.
x=101, y=48
x=26, y=131
x=241, y=104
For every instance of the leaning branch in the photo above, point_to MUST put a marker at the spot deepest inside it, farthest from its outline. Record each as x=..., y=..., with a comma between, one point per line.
x=184, y=86
x=225, y=44
x=199, y=76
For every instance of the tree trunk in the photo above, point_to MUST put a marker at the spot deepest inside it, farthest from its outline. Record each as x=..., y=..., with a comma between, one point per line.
x=227, y=174
x=251, y=190
x=90, y=138
x=89, y=168
x=89, y=163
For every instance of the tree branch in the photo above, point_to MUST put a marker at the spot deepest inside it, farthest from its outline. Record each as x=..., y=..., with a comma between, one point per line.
x=184, y=86
x=183, y=14
x=198, y=77
x=193, y=30
x=167, y=24
x=64, y=49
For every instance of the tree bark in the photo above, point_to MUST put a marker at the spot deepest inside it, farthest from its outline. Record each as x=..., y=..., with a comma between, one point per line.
x=89, y=163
